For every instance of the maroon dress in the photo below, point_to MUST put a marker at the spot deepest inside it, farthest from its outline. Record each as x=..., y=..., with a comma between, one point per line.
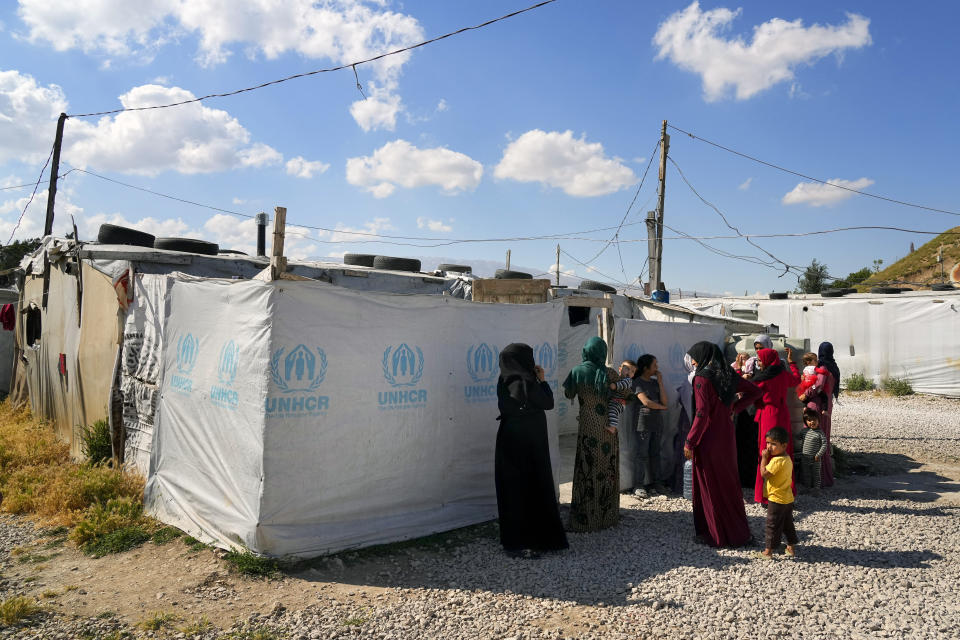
x=719, y=516
x=772, y=411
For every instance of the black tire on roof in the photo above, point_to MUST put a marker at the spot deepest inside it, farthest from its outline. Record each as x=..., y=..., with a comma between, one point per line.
x=187, y=245
x=231, y=252
x=833, y=293
x=456, y=268
x=942, y=287
x=885, y=290
x=593, y=285
x=396, y=264
x=849, y=290
x=506, y=274
x=359, y=259
x=114, y=234
x=778, y=295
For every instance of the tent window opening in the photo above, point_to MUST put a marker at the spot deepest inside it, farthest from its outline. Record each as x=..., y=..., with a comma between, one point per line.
x=578, y=315
x=33, y=326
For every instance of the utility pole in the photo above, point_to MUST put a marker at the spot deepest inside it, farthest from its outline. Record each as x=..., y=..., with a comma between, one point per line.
x=54, y=172
x=558, y=265
x=508, y=259
x=656, y=254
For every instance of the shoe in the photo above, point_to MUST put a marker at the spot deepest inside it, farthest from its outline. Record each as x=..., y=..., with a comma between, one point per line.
x=759, y=555
x=641, y=493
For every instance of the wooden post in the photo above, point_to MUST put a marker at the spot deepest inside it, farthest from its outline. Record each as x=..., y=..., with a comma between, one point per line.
x=558, y=265
x=278, y=264
x=54, y=172
x=661, y=193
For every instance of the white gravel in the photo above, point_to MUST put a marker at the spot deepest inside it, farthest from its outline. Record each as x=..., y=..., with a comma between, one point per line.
x=874, y=561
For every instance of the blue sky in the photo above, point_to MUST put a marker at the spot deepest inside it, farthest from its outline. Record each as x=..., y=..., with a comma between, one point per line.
x=538, y=125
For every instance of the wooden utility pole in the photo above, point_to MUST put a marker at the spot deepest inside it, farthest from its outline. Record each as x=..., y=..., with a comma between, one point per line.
x=508, y=259
x=558, y=265
x=278, y=264
x=54, y=172
x=656, y=261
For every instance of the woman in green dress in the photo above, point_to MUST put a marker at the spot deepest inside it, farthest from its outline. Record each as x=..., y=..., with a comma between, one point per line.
x=596, y=471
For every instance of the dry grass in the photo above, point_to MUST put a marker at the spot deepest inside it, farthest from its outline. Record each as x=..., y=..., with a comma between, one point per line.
x=38, y=478
x=17, y=609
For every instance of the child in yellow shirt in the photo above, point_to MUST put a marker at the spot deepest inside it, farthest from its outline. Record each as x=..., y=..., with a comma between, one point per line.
x=777, y=470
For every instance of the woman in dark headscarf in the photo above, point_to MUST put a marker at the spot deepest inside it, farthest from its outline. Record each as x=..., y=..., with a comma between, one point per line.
x=526, y=499
x=719, y=517
x=831, y=390
x=774, y=380
x=595, y=503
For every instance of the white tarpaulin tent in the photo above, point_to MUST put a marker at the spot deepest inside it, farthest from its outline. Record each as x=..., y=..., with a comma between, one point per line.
x=668, y=342
x=300, y=418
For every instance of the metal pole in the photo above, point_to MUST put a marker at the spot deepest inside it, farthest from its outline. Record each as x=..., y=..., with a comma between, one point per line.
x=261, y=234
x=54, y=172
x=558, y=265
x=508, y=259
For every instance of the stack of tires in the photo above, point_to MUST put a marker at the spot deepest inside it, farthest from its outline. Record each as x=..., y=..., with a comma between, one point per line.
x=387, y=263
x=114, y=234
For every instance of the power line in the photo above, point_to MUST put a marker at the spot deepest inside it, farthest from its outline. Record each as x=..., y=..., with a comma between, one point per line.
x=806, y=177
x=35, y=187
x=318, y=71
x=635, y=194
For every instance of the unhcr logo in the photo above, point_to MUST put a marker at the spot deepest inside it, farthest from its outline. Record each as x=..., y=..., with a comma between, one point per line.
x=676, y=357
x=188, y=350
x=633, y=352
x=402, y=367
x=221, y=394
x=298, y=375
x=546, y=356
x=483, y=366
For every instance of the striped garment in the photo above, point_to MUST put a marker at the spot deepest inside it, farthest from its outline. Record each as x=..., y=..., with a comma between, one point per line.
x=811, y=460
x=618, y=401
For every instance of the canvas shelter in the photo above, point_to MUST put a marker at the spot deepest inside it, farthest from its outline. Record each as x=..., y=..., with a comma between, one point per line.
x=338, y=407
x=913, y=335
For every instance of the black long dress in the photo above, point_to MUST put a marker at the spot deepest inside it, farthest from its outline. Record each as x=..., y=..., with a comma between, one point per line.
x=526, y=501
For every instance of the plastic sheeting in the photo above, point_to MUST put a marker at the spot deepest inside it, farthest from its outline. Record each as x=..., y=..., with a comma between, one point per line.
x=668, y=342
x=299, y=418
x=916, y=337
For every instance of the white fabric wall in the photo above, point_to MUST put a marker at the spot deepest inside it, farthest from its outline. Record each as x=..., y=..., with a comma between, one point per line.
x=911, y=337
x=329, y=439
x=668, y=341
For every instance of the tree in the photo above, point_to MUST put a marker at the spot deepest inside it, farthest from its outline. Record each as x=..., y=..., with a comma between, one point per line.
x=854, y=278
x=876, y=265
x=814, y=278
x=11, y=255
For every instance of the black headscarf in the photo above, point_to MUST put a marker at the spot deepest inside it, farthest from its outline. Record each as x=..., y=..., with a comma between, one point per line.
x=825, y=360
x=517, y=370
x=711, y=365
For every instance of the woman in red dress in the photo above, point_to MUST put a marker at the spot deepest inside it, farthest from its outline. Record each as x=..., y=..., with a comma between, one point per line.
x=719, y=517
x=774, y=380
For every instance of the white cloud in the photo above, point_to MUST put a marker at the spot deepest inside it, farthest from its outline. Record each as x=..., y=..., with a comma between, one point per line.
x=640, y=159
x=819, y=195
x=189, y=139
x=344, y=233
x=31, y=226
x=378, y=111
x=692, y=40
x=303, y=168
x=564, y=270
x=342, y=31
x=399, y=163
x=159, y=227
x=240, y=234
x=239, y=201
x=28, y=117
x=746, y=184
x=164, y=80
x=433, y=225
x=442, y=105
x=559, y=160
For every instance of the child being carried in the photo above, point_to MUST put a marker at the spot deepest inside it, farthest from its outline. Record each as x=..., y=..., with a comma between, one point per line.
x=620, y=392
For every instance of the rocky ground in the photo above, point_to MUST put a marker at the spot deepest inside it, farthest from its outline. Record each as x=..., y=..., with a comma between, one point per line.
x=878, y=558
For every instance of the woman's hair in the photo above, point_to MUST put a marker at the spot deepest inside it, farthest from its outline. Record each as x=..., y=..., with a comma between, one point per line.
x=778, y=435
x=810, y=414
x=644, y=362
x=809, y=358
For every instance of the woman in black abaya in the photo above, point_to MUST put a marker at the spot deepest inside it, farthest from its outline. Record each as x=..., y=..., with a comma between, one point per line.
x=526, y=501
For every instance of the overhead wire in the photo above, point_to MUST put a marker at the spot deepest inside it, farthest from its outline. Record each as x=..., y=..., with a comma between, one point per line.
x=818, y=180
x=319, y=71
x=32, y=195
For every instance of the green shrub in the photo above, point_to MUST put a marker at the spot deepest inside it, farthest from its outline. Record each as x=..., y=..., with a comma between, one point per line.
x=95, y=442
x=858, y=382
x=113, y=527
x=157, y=620
x=250, y=564
x=163, y=535
x=897, y=386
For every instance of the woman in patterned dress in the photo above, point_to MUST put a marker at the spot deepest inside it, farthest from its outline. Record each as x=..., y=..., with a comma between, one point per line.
x=596, y=471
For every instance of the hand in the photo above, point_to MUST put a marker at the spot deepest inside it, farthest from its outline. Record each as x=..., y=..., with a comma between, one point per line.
x=816, y=458
x=741, y=360
x=688, y=453
x=612, y=429
x=789, y=354
x=803, y=398
x=539, y=371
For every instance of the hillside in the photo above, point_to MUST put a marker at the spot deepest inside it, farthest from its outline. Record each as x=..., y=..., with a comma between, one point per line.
x=921, y=267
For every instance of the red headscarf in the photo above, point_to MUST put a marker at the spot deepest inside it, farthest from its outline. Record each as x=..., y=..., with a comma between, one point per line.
x=772, y=367
x=768, y=357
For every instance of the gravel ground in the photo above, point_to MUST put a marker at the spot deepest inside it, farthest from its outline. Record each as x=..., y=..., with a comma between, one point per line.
x=875, y=561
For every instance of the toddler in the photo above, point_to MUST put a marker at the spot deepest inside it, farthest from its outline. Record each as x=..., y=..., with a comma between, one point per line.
x=814, y=446
x=810, y=390
x=777, y=470
x=619, y=392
